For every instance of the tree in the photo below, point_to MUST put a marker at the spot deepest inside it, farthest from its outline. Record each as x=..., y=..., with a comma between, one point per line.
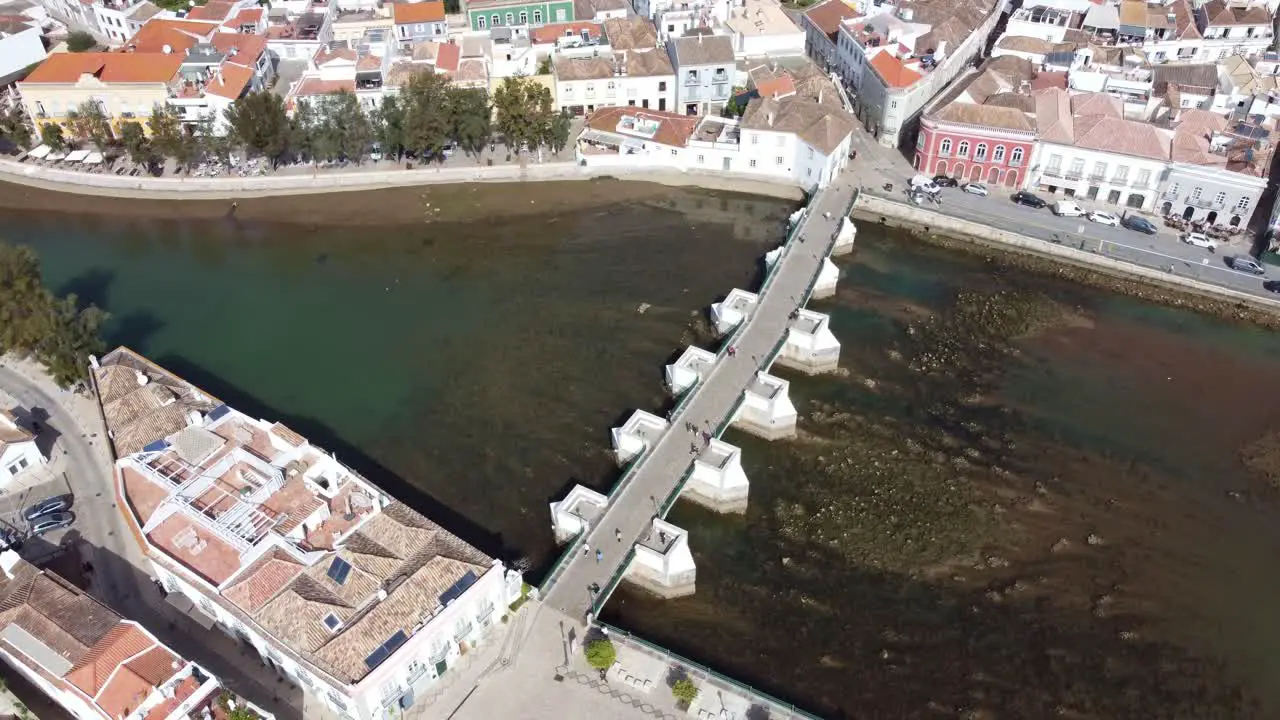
x=51, y=135
x=388, y=123
x=74, y=334
x=557, y=132
x=524, y=110
x=22, y=298
x=601, y=654
x=684, y=690
x=425, y=100
x=13, y=125
x=259, y=122
x=80, y=41
x=343, y=129
x=302, y=131
x=135, y=142
x=544, y=66
x=469, y=124
x=88, y=123
x=737, y=104
x=209, y=142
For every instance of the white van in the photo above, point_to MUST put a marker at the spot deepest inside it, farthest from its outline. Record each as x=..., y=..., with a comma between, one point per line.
x=1067, y=208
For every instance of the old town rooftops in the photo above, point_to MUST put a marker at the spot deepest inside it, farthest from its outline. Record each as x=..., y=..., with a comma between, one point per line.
x=106, y=67
x=281, y=531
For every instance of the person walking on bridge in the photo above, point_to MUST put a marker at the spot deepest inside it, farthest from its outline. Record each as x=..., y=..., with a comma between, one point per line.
x=599, y=556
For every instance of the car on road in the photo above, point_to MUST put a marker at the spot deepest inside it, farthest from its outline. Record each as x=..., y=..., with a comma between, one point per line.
x=1244, y=263
x=1104, y=218
x=975, y=189
x=1271, y=286
x=45, y=507
x=51, y=522
x=1200, y=240
x=920, y=183
x=944, y=181
x=1022, y=197
x=1067, y=208
x=1139, y=223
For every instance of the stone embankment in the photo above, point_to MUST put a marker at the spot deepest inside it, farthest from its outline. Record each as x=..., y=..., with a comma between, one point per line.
x=367, y=178
x=1169, y=288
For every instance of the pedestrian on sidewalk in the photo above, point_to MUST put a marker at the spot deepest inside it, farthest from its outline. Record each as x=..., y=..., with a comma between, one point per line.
x=599, y=556
x=617, y=532
x=586, y=548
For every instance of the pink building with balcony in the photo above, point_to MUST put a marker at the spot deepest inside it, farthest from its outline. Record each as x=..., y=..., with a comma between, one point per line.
x=976, y=143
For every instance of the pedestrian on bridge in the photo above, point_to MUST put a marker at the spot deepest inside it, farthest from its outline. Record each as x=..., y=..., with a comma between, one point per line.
x=599, y=556
x=586, y=548
x=617, y=532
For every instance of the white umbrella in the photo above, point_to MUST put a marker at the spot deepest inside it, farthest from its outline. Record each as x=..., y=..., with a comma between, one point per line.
x=58, y=156
x=77, y=156
x=93, y=158
x=39, y=151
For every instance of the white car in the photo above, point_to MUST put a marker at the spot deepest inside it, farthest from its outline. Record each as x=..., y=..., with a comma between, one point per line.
x=1200, y=240
x=1103, y=218
x=975, y=189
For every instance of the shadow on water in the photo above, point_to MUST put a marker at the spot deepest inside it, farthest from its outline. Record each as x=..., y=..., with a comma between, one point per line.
x=90, y=287
x=485, y=540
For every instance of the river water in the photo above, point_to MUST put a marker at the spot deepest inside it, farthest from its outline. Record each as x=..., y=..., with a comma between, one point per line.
x=1018, y=498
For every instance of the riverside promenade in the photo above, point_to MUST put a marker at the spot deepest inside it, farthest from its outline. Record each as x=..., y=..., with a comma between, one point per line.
x=633, y=505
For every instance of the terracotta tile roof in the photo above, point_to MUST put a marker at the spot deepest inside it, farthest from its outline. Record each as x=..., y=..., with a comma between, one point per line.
x=674, y=130
x=418, y=12
x=1127, y=137
x=1184, y=20
x=1049, y=80
x=214, y=10
x=985, y=116
x=184, y=689
x=822, y=126
x=140, y=414
x=260, y=582
x=243, y=48
x=631, y=33
x=1198, y=78
x=326, y=55
x=1098, y=103
x=1024, y=43
x=1218, y=14
x=314, y=86
x=247, y=16
x=1191, y=138
x=649, y=63
x=448, y=56
x=124, y=641
x=893, y=71
x=828, y=16
x=11, y=433
x=1053, y=116
x=180, y=36
x=568, y=68
x=107, y=67
x=155, y=666
x=550, y=33
x=702, y=50
x=124, y=693
x=401, y=71
x=286, y=434
x=231, y=82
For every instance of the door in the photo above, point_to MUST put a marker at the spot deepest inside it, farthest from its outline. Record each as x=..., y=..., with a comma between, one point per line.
x=662, y=103
x=1135, y=200
x=441, y=667
x=726, y=164
x=1113, y=197
x=1093, y=192
x=1188, y=213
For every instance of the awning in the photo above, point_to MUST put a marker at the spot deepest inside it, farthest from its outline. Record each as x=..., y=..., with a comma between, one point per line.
x=39, y=151
x=93, y=158
x=188, y=608
x=77, y=155
x=57, y=156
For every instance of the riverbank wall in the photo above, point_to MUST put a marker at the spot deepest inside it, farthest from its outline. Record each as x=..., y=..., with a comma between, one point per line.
x=917, y=219
x=367, y=178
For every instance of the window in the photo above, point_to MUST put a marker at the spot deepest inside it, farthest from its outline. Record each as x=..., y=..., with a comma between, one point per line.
x=810, y=153
x=568, y=89
x=700, y=159
x=998, y=155
x=611, y=87
x=332, y=622
x=674, y=153
x=980, y=152
x=752, y=163
x=779, y=160
x=560, y=16
x=945, y=147
x=337, y=701
x=919, y=142
x=662, y=86
x=963, y=150
x=1220, y=199
x=1099, y=170
x=511, y=17
x=755, y=138
x=893, y=104
x=524, y=18
x=339, y=569
x=1195, y=194
x=691, y=77
x=1144, y=178
x=537, y=17
x=1077, y=168
x=497, y=21
x=1242, y=204
x=1122, y=174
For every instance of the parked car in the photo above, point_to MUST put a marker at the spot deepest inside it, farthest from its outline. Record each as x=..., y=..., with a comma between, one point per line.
x=1022, y=197
x=51, y=522
x=1139, y=223
x=1244, y=263
x=975, y=189
x=1271, y=286
x=1200, y=240
x=1104, y=218
x=45, y=507
x=944, y=181
x=923, y=184
x=1067, y=208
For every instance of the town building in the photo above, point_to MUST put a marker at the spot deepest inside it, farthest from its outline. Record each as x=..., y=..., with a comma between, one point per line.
x=419, y=21
x=601, y=10
x=706, y=70
x=822, y=28
x=1217, y=171
x=298, y=34
x=794, y=131
x=21, y=45
x=355, y=27
x=125, y=85
x=623, y=65
x=18, y=448
x=760, y=28
x=354, y=596
x=486, y=14
x=95, y=664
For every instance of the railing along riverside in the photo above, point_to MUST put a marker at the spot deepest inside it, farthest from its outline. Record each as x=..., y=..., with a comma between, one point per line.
x=709, y=676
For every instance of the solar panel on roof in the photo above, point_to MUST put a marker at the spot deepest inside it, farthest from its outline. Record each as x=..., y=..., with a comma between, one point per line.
x=331, y=621
x=376, y=657
x=338, y=570
x=459, y=587
x=394, y=642
x=157, y=446
x=219, y=412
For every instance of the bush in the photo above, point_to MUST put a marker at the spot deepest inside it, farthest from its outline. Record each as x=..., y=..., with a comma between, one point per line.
x=601, y=654
x=684, y=690
x=80, y=41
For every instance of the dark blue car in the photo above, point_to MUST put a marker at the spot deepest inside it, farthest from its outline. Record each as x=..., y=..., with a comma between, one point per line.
x=1139, y=223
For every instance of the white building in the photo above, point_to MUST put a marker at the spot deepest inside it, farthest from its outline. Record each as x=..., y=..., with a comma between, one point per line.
x=760, y=28
x=706, y=72
x=21, y=45
x=354, y=596
x=630, y=78
x=18, y=449
x=93, y=663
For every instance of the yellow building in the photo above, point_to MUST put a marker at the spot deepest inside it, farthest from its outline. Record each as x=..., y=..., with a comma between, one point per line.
x=125, y=85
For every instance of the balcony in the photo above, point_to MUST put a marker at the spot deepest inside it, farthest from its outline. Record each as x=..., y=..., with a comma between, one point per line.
x=1205, y=203
x=1097, y=178
x=1015, y=163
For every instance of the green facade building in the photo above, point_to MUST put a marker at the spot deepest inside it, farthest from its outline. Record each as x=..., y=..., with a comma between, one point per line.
x=489, y=14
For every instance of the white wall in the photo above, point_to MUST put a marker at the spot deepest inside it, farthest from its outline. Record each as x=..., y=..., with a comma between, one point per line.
x=626, y=89
x=70, y=700
x=1043, y=154
x=20, y=50
x=20, y=456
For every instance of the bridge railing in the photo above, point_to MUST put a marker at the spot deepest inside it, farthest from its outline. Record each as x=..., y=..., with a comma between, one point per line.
x=778, y=709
